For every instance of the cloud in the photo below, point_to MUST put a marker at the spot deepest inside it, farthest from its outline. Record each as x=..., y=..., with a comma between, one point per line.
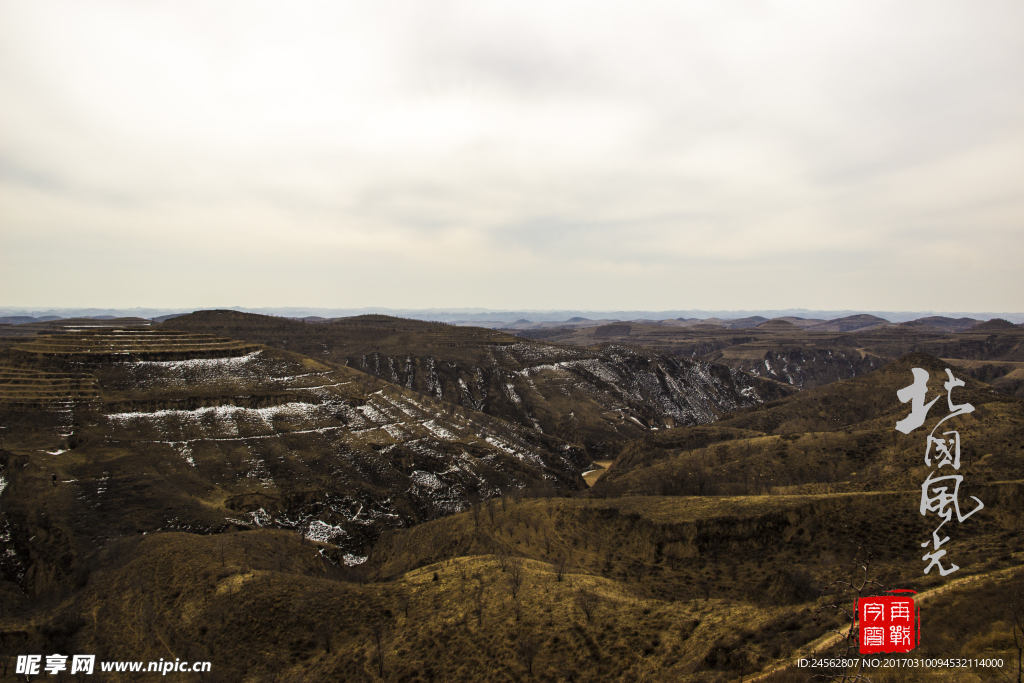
x=526, y=155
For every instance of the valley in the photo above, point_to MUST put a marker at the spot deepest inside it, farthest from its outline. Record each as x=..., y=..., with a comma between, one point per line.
x=791, y=351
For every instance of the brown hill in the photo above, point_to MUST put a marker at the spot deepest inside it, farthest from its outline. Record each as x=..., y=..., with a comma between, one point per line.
x=123, y=431
x=944, y=324
x=596, y=397
x=778, y=324
x=994, y=325
x=850, y=323
x=806, y=358
x=840, y=437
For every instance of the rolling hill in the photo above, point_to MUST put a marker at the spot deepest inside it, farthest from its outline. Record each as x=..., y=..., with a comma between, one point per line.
x=204, y=494
x=121, y=431
x=595, y=398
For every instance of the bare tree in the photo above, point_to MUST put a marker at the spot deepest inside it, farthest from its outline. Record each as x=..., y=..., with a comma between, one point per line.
x=561, y=565
x=503, y=556
x=475, y=508
x=849, y=646
x=491, y=510
x=527, y=649
x=379, y=634
x=515, y=575
x=478, y=603
x=587, y=601
x=325, y=635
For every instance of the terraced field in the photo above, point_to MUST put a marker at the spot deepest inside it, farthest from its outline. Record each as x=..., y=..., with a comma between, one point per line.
x=595, y=398
x=25, y=386
x=96, y=345
x=182, y=431
x=11, y=335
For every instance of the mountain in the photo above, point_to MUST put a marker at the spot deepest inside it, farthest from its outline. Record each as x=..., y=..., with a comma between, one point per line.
x=146, y=430
x=806, y=356
x=192, y=495
x=850, y=323
x=742, y=323
x=994, y=325
x=596, y=398
x=943, y=324
x=835, y=438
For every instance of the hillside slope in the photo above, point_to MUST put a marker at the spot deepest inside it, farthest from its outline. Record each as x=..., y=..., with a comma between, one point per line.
x=840, y=437
x=128, y=431
x=595, y=398
x=811, y=356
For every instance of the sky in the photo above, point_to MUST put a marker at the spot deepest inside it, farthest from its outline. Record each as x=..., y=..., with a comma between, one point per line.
x=528, y=155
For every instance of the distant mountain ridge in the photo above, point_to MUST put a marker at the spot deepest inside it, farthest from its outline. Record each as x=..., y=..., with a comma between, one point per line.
x=508, y=317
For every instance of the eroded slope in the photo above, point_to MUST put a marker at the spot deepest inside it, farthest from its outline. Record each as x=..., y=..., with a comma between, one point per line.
x=196, y=434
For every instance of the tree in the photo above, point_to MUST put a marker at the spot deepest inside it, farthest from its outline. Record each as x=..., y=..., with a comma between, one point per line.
x=479, y=603
x=325, y=635
x=491, y=510
x=378, y=636
x=527, y=649
x=517, y=608
x=561, y=565
x=515, y=575
x=475, y=507
x=503, y=556
x=849, y=645
x=587, y=601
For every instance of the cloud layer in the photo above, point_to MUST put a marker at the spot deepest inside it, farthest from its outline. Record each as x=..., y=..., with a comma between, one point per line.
x=513, y=155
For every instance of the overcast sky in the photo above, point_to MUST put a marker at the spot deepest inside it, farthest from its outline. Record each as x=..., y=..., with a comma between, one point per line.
x=643, y=156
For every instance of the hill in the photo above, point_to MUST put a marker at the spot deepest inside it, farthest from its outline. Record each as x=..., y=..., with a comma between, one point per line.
x=175, y=494
x=840, y=437
x=592, y=397
x=807, y=355
x=128, y=431
x=850, y=323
